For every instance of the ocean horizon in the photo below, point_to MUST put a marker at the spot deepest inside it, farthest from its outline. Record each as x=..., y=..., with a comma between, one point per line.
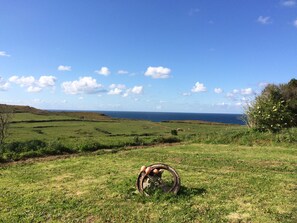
x=171, y=116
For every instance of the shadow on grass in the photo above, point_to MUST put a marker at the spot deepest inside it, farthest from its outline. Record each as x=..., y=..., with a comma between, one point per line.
x=191, y=192
x=128, y=190
x=184, y=194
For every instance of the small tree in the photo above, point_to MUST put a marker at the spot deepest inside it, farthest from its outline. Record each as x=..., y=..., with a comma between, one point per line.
x=274, y=109
x=5, y=118
x=289, y=94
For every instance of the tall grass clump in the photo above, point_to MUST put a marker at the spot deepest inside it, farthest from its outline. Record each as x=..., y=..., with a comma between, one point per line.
x=32, y=148
x=247, y=137
x=166, y=139
x=88, y=146
x=57, y=148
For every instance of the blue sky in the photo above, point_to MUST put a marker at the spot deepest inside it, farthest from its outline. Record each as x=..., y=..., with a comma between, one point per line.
x=140, y=55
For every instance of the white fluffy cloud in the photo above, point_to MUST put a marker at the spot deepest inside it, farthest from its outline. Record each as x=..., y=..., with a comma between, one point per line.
x=3, y=84
x=218, y=90
x=85, y=85
x=289, y=3
x=120, y=86
x=122, y=72
x=47, y=81
x=230, y=95
x=22, y=81
x=158, y=72
x=103, y=71
x=135, y=90
x=121, y=89
x=34, y=89
x=247, y=91
x=116, y=89
x=64, y=68
x=236, y=93
x=264, y=20
x=4, y=54
x=32, y=84
x=199, y=87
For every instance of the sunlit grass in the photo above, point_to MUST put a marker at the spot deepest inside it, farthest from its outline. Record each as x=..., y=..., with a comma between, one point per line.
x=220, y=183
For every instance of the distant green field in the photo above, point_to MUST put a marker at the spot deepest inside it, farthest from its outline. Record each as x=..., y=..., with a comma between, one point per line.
x=54, y=133
x=220, y=183
x=71, y=129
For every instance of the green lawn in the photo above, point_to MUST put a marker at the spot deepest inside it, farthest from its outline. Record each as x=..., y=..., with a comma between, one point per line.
x=220, y=183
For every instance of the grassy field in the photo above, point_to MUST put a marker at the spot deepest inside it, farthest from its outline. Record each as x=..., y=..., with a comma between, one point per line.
x=220, y=183
x=228, y=173
x=36, y=133
x=72, y=127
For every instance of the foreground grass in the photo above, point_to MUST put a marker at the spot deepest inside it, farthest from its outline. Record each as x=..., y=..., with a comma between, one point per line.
x=220, y=183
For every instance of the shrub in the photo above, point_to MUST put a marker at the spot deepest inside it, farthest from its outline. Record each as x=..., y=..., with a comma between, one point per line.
x=5, y=118
x=137, y=141
x=89, y=146
x=19, y=147
x=169, y=139
x=56, y=148
x=273, y=110
x=29, y=154
x=174, y=132
x=289, y=94
x=2, y=160
x=267, y=114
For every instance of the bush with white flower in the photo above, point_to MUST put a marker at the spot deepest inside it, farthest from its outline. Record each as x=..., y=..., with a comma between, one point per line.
x=272, y=111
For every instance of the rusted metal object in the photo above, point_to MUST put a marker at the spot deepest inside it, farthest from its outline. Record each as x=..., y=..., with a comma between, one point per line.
x=159, y=178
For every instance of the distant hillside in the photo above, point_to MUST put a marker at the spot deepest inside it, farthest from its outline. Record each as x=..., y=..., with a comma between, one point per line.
x=22, y=109
x=91, y=116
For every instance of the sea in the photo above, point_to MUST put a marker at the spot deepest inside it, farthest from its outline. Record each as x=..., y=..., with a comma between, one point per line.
x=167, y=116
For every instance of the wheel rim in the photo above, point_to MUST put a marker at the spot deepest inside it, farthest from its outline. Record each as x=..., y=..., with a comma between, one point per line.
x=166, y=181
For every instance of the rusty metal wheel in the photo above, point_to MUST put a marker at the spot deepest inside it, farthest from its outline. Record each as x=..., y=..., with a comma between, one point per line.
x=162, y=178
